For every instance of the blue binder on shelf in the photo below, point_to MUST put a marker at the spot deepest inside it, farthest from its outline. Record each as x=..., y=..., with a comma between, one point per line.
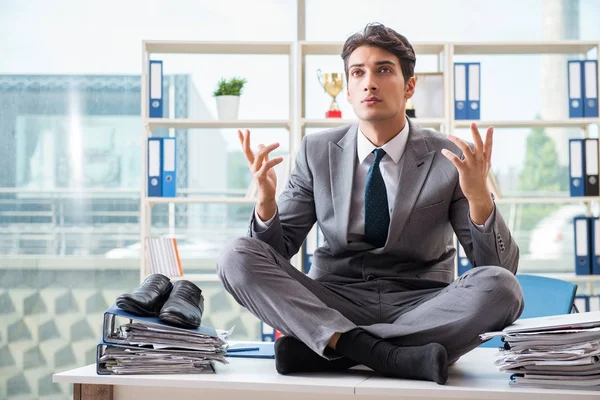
x=582, y=303
x=156, y=89
x=155, y=167
x=473, y=90
x=463, y=263
x=460, y=91
x=589, y=72
x=591, y=167
x=575, y=87
x=313, y=241
x=595, y=245
x=267, y=333
x=581, y=226
x=576, y=167
x=169, y=167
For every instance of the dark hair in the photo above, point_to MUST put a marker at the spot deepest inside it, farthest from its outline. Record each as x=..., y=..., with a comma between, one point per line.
x=378, y=35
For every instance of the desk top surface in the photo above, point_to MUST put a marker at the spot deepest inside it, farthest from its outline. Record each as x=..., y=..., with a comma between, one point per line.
x=473, y=376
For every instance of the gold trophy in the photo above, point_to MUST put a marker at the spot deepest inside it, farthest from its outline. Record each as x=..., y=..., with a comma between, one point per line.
x=333, y=84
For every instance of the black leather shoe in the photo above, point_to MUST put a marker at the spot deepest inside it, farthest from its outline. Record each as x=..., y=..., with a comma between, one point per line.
x=293, y=356
x=184, y=306
x=148, y=299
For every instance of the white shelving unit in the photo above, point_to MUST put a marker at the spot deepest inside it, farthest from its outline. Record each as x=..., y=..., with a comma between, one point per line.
x=150, y=124
x=446, y=52
x=298, y=121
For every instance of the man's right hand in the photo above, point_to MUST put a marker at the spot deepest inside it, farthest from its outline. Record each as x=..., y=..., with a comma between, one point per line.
x=264, y=174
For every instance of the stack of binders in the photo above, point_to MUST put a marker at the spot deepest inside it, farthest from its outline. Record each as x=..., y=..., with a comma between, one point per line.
x=583, y=167
x=467, y=90
x=583, y=88
x=146, y=345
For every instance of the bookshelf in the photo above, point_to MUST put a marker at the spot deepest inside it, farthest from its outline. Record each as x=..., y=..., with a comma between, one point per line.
x=154, y=47
x=298, y=121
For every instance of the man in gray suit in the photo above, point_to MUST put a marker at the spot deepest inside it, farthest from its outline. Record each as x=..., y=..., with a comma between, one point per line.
x=388, y=197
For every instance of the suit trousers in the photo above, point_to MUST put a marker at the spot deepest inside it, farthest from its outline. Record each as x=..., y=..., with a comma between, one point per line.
x=486, y=298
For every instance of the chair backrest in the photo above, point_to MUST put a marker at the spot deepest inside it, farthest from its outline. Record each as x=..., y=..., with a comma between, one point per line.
x=543, y=297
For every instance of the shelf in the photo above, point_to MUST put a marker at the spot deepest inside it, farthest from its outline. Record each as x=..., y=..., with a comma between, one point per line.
x=573, y=122
x=206, y=200
x=547, y=47
x=188, y=47
x=335, y=48
x=546, y=200
x=333, y=122
x=180, y=123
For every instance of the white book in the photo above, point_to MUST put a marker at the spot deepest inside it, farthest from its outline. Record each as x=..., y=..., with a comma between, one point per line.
x=164, y=256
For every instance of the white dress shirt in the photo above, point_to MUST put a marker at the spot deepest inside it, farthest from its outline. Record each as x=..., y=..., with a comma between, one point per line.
x=390, y=171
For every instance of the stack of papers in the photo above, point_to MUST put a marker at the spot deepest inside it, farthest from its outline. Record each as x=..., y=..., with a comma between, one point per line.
x=552, y=352
x=145, y=345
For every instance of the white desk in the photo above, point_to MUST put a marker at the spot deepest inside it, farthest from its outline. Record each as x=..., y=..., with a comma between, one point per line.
x=472, y=377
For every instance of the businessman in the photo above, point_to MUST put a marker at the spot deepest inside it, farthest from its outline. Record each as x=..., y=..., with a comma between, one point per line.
x=388, y=197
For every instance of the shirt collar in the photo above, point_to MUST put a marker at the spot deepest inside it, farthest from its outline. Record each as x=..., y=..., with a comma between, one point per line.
x=394, y=148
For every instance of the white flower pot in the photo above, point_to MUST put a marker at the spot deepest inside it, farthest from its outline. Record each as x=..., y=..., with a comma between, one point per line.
x=227, y=107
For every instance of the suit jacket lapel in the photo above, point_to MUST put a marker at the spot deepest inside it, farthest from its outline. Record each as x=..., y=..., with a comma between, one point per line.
x=416, y=162
x=342, y=157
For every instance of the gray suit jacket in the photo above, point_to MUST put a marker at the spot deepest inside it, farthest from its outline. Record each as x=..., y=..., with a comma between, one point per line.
x=429, y=207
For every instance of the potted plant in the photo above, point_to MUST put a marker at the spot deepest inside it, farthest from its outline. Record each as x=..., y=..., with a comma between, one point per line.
x=228, y=93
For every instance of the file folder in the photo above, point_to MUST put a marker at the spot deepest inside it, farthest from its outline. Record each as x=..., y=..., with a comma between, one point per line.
x=268, y=333
x=463, y=263
x=575, y=88
x=103, y=346
x=576, y=167
x=591, y=167
x=582, y=245
x=474, y=90
x=595, y=245
x=313, y=241
x=154, y=167
x=460, y=91
x=590, y=88
x=114, y=317
x=169, y=167
x=582, y=303
x=156, y=89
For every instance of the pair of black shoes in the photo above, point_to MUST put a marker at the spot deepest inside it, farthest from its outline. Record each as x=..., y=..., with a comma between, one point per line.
x=180, y=304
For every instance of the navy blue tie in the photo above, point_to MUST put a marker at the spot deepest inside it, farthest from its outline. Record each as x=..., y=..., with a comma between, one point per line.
x=377, y=215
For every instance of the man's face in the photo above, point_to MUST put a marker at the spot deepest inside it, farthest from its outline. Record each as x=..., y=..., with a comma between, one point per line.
x=376, y=87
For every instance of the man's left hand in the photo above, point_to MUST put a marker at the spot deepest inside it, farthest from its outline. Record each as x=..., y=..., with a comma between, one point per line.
x=473, y=170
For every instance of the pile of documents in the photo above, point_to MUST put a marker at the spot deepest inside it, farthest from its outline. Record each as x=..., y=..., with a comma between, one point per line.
x=145, y=345
x=552, y=352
